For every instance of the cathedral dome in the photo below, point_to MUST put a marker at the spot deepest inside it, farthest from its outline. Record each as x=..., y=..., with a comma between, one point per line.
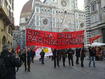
x=27, y=8
x=26, y=12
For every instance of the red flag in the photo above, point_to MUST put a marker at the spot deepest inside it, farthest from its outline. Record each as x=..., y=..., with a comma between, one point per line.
x=18, y=49
x=92, y=39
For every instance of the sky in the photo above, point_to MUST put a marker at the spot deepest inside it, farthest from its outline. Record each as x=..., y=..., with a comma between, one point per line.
x=20, y=3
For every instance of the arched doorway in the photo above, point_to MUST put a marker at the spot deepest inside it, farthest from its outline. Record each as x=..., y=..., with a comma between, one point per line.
x=4, y=41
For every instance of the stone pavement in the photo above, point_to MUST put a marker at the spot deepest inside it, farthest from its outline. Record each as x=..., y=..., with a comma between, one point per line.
x=47, y=71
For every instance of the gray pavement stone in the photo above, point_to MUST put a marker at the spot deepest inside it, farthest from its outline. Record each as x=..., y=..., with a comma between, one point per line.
x=47, y=71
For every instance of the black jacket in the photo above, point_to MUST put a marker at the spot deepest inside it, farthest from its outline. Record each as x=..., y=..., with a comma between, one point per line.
x=54, y=52
x=70, y=52
x=78, y=52
x=92, y=52
x=42, y=54
x=83, y=52
x=11, y=62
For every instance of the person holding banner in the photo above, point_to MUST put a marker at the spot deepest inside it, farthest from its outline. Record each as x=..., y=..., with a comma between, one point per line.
x=77, y=55
x=70, y=53
x=63, y=54
x=56, y=57
x=82, y=56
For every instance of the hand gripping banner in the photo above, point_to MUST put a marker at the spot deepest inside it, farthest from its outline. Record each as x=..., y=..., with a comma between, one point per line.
x=57, y=40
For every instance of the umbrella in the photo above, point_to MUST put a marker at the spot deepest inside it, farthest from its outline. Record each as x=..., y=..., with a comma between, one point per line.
x=97, y=44
x=87, y=45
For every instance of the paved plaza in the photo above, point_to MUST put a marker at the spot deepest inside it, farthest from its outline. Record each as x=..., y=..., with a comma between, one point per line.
x=47, y=71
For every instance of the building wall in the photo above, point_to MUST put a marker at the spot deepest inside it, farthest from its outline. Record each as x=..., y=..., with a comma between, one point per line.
x=19, y=38
x=56, y=19
x=64, y=4
x=95, y=15
x=6, y=22
x=5, y=37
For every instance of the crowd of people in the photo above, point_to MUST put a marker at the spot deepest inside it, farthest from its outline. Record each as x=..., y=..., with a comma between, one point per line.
x=68, y=53
x=93, y=54
x=11, y=60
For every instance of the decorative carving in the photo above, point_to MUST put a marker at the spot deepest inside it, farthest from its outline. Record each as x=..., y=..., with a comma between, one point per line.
x=45, y=21
x=63, y=3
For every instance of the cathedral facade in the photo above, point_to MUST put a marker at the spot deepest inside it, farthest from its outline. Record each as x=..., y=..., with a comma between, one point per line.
x=56, y=16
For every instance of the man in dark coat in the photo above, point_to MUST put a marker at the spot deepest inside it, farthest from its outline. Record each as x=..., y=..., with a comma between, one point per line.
x=92, y=54
x=11, y=63
x=82, y=56
x=28, y=59
x=77, y=55
x=63, y=54
x=70, y=53
x=32, y=55
x=23, y=58
x=56, y=57
x=42, y=54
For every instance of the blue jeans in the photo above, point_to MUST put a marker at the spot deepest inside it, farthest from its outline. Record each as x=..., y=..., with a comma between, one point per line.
x=92, y=59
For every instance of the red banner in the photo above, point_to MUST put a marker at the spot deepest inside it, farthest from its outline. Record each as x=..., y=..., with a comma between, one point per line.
x=58, y=40
x=92, y=39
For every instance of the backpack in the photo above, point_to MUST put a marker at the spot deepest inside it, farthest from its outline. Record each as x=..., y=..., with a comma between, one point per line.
x=3, y=68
